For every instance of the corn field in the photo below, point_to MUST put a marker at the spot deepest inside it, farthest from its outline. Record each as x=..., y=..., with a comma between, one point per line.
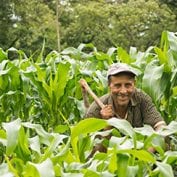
x=43, y=132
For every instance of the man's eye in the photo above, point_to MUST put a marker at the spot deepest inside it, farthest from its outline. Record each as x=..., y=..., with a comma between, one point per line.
x=117, y=85
x=128, y=85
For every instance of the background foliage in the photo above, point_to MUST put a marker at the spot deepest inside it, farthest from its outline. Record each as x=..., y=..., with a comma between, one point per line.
x=42, y=131
x=25, y=25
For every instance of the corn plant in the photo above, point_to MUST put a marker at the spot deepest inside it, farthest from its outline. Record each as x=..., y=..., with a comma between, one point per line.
x=29, y=150
x=41, y=109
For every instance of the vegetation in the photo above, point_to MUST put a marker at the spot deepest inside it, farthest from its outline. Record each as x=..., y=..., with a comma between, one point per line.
x=42, y=132
x=105, y=23
x=46, y=47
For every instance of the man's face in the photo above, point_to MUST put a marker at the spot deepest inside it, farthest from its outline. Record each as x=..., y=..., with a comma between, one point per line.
x=122, y=88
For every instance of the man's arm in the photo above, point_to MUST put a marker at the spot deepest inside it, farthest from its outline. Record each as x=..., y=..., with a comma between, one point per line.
x=150, y=114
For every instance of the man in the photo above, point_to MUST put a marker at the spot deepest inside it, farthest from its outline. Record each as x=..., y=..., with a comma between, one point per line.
x=125, y=101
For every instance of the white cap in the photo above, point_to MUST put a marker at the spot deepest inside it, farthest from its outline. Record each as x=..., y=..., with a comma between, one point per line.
x=117, y=68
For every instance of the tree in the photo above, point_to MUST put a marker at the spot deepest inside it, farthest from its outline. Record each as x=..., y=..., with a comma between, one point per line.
x=105, y=23
x=7, y=23
x=32, y=23
x=135, y=23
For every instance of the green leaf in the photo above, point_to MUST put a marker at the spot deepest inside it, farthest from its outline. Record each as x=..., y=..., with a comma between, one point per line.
x=4, y=171
x=83, y=127
x=113, y=161
x=165, y=169
x=61, y=79
x=12, y=131
x=72, y=175
x=122, y=164
x=123, y=126
x=22, y=149
x=152, y=80
x=170, y=157
x=3, y=55
x=124, y=56
x=35, y=144
x=172, y=38
x=142, y=155
x=89, y=173
x=45, y=136
x=146, y=130
x=57, y=139
x=169, y=129
x=132, y=171
x=87, y=126
x=45, y=169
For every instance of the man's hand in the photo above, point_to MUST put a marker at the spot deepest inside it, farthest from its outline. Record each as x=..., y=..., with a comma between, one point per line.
x=107, y=112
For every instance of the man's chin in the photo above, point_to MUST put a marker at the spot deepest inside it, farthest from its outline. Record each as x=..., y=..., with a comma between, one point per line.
x=123, y=103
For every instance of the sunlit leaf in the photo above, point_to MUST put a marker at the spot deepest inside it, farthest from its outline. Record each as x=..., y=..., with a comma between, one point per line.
x=165, y=169
x=12, y=131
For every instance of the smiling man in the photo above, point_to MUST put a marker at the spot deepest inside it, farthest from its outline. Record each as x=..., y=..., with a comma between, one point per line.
x=125, y=101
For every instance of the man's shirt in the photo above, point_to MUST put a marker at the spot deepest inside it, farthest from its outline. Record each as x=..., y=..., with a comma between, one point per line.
x=141, y=109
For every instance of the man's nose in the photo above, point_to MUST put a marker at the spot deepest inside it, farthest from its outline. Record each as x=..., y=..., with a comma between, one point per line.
x=122, y=89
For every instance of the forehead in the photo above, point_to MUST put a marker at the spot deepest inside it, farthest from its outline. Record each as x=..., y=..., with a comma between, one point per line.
x=122, y=77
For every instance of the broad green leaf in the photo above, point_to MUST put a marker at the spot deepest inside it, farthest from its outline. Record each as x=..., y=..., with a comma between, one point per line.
x=111, y=51
x=113, y=160
x=175, y=91
x=3, y=139
x=11, y=166
x=72, y=175
x=124, y=56
x=132, y=171
x=84, y=144
x=61, y=79
x=3, y=55
x=57, y=139
x=4, y=171
x=64, y=154
x=146, y=130
x=169, y=129
x=41, y=73
x=35, y=144
x=152, y=80
x=12, y=131
x=141, y=155
x=22, y=149
x=3, y=65
x=45, y=137
x=164, y=43
x=170, y=157
x=71, y=50
x=89, y=173
x=61, y=128
x=172, y=38
x=83, y=127
x=45, y=169
x=88, y=125
x=163, y=59
x=123, y=126
x=124, y=143
x=30, y=170
x=122, y=165
x=165, y=169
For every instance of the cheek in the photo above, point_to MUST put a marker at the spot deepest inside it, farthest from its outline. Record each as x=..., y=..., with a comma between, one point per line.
x=131, y=90
x=114, y=90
